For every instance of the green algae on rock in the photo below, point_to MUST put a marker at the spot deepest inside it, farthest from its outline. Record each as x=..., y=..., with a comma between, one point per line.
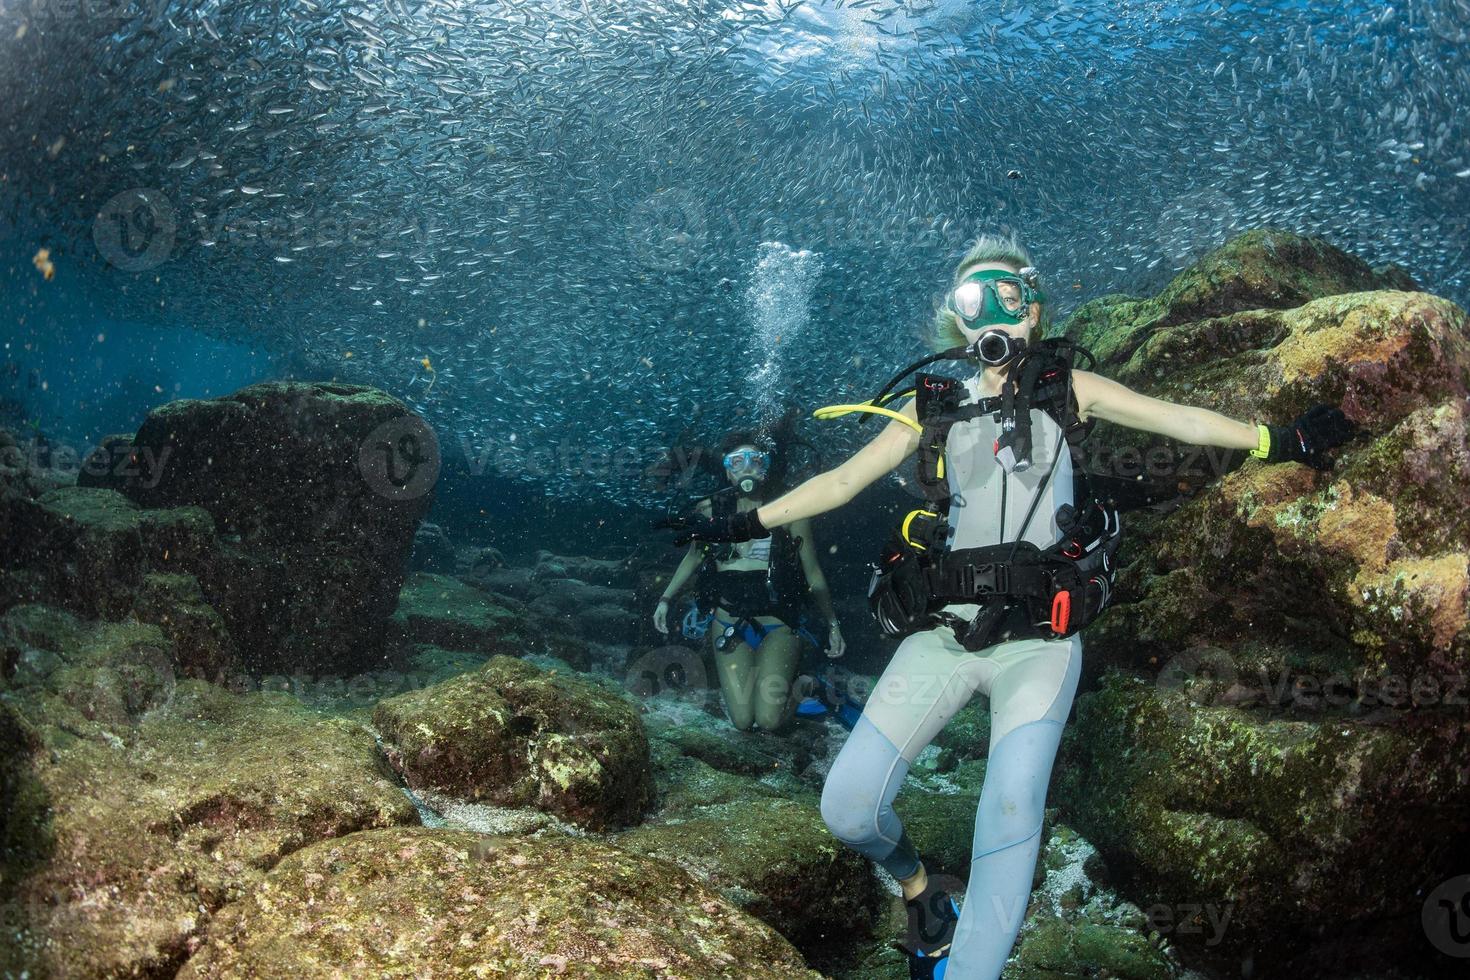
x=148, y=840
x=444, y=611
x=774, y=858
x=512, y=734
x=315, y=538
x=1266, y=268
x=1291, y=823
x=448, y=903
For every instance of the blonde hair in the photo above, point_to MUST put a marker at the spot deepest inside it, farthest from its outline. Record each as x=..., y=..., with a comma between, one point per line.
x=988, y=247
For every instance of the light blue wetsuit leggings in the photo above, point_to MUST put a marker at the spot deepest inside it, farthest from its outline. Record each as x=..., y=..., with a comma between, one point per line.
x=1030, y=684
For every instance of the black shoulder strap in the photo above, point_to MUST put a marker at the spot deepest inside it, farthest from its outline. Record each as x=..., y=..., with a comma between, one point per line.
x=937, y=403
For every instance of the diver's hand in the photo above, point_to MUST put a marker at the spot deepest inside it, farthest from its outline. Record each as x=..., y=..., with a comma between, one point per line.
x=836, y=645
x=661, y=617
x=742, y=526
x=1309, y=437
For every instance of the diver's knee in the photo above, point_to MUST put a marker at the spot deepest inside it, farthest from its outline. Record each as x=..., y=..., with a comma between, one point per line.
x=845, y=815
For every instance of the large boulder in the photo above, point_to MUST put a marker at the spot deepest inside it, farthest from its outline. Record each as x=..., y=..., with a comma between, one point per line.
x=1275, y=727
x=437, y=902
x=146, y=837
x=1267, y=269
x=819, y=893
x=316, y=489
x=444, y=611
x=1367, y=562
x=512, y=734
x=1308, y=831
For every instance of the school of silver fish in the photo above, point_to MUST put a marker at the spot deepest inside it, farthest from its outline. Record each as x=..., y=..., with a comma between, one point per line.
x=543, y=219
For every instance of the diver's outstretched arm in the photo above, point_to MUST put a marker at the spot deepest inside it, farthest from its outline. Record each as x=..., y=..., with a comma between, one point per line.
x=1305, y=440
x=830, y=490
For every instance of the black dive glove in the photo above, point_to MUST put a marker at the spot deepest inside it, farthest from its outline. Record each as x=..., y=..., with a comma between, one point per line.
x=1307, y=439
x=741, y=526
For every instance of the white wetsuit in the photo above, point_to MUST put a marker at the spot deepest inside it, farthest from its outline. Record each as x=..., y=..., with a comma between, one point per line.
x=1030, y=684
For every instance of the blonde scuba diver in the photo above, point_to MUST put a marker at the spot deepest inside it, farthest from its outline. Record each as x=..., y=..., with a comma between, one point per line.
x=750, y=597
x=988, y=583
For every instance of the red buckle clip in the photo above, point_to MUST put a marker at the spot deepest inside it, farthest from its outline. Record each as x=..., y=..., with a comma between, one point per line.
x=1061, y=611
x=1072, y=550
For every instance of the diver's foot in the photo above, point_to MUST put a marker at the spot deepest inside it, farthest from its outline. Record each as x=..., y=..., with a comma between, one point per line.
x=932, y=917
x=930, y=967
x=811, y=708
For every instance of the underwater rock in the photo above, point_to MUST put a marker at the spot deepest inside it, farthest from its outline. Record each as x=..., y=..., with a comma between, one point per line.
x=202, y=647
x=1304, y=831
x=512, y=734
x=444, y=611
x=610, y=572
x=93, y=548
x=1365, y=564
x=508, y=581
x=752, y=753
x=149, y=840
x=421, y=902
x=432, y=550
x=1263, y=269
x=71, y=678
x=290, y=473
x=774, y=858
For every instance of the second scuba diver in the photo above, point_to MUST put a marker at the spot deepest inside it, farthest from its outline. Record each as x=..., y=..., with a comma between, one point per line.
x=988, y=583
x=750, y=594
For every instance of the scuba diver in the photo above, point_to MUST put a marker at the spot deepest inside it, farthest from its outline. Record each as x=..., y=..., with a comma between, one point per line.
x=750, y=594
x=988, y=583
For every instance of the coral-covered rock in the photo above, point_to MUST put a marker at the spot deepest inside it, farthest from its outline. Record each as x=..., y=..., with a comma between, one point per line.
x=776, y=859
x=319, y=488
x=1264, y=269
x=1300, y=827
x=72, y=678
x=148, y=840
x=512, y=734
x=430, y=902
x=610, y=572
x=1375, y=551
x=443, y=611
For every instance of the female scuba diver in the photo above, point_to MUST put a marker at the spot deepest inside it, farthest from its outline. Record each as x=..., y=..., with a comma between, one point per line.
x=753, y=595
x=1031, y=584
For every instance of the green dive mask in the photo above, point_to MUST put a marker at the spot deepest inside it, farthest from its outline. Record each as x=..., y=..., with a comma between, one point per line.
x=995, y=296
